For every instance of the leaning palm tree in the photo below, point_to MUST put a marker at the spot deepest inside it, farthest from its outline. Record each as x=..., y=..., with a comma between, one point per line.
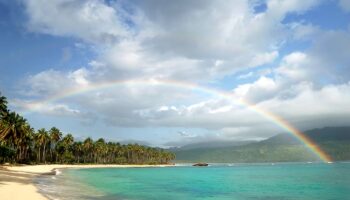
x=12, y=127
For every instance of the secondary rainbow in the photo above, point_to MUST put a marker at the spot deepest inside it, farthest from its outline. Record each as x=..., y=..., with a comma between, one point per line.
x=279, y=121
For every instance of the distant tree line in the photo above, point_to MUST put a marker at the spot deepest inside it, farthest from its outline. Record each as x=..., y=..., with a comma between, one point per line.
x=20, y=143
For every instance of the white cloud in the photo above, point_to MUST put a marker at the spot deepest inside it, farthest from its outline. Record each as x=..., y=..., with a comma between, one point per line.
x=259, y=90
x=47, y=83
x=314, y=106
x=279, y=8
x=302, y=31
x=180, y=40
x=45, y=108
x=50, y=82
x=325, y=62
x=264, y=58
x=80, y=76
x=310, y=105
x=293, y=66
x=92, y=20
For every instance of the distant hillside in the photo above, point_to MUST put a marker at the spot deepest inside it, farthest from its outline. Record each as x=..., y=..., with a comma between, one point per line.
x=280, y=148
x=318, y=135
x=211, y=145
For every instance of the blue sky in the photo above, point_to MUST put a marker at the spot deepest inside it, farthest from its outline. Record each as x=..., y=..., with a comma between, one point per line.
x=287, y=57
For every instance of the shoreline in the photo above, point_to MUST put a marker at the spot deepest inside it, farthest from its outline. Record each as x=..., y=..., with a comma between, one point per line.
x=17, y=182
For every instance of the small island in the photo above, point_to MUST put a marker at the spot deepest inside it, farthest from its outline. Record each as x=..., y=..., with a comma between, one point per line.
x=200, y=165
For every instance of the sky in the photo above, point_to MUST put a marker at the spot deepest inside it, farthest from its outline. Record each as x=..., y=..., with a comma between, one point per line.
x=154, y=71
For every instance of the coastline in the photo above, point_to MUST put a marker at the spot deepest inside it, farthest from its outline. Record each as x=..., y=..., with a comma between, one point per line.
x=17, y=182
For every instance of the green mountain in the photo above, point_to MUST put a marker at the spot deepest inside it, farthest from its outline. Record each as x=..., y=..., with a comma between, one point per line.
x=335, y=141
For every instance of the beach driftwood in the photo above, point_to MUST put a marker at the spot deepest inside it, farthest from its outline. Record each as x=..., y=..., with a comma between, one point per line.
x=200, y=165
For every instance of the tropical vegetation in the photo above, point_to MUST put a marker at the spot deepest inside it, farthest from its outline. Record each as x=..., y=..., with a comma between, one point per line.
x=20, y=143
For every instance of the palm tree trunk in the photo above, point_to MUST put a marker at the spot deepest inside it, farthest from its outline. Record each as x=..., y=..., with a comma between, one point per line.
x=39, y=155
x=44, y=158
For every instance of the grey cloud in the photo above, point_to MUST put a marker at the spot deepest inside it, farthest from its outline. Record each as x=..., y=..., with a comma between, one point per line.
x=186, y=135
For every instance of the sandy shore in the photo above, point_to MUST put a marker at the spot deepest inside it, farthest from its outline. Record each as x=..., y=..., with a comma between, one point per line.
x=16, y=182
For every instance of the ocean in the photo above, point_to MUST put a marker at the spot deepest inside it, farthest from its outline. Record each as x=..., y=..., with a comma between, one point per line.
x=272, y=181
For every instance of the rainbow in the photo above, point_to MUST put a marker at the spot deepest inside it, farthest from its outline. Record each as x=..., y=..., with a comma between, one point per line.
x=279, y=121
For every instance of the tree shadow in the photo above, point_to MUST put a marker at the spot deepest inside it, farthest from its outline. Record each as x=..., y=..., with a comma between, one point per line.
x=15, y=177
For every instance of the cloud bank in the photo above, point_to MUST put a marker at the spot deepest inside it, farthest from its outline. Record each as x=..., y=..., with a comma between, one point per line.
x=202, y=43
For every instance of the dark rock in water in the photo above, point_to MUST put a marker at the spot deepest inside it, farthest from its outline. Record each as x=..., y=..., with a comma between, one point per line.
x=53, y=172
x=200, y=165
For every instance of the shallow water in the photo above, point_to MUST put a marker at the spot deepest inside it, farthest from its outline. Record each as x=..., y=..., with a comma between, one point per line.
x=217, y=182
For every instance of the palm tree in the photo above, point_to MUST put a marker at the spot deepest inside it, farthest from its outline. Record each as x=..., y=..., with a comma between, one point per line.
x=55, y=137
x=100, y=150
x=68, y=141
x=3, y=106
x=43, y=139
x=88, y=145
x=78, y=151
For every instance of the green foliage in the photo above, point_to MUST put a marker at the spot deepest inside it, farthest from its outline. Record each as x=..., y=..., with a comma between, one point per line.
x=68, y=157
x=6, y=154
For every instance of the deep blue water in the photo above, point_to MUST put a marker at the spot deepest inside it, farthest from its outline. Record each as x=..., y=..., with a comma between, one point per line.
x=242, y=182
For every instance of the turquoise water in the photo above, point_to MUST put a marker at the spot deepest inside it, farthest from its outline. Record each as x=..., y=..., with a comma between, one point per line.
x=241, y=182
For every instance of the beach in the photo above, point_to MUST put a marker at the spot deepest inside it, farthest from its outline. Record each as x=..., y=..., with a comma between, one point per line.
x=17, y=182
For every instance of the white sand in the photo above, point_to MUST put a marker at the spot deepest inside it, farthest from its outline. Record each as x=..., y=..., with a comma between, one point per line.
x=16, y=182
